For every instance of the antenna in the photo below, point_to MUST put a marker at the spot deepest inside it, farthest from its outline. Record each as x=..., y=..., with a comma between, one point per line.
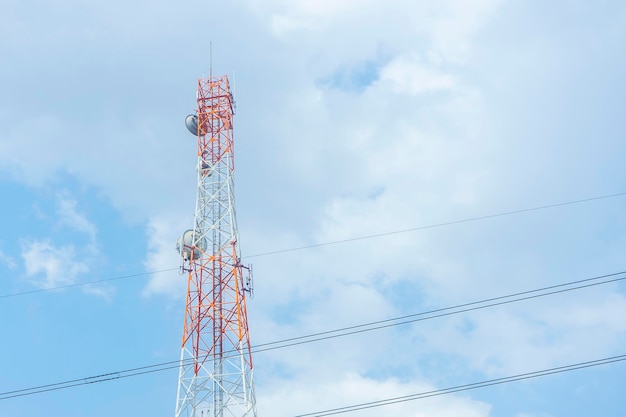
x=210, y=59
x=234, y=90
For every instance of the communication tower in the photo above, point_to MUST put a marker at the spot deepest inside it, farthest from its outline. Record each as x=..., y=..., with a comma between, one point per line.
x=215, y=378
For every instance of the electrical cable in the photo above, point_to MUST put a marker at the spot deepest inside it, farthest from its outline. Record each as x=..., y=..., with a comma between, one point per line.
x=90, y=380
x=79, y=284
x=366, y=327
x=471, y=219
x=465, y=387
x=443, y=312
x=432, y=226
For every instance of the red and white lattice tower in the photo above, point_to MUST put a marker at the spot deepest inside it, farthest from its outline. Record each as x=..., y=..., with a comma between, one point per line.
x=215, y=377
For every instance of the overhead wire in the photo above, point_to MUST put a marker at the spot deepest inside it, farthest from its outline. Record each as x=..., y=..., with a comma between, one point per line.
x=432, y=226
x=110, y=376
x=80, y=284
x=335, y=242
x=341, y=332
x=442, y=312
x=465, y=387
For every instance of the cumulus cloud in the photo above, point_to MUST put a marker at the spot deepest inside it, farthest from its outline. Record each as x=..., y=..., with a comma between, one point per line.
x=530, y=336
x=453, y=30
x=49, y=266
x=408, y=76
x=69, y=216
x=43, y=133
x=297, y=397
x=106, y=292
x=288, y=17
x=413, y=145
x=413, y=148
x=162, y=233
x=7, y=260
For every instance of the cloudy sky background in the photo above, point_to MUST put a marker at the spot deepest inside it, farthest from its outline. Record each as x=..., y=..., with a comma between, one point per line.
x=354, y=118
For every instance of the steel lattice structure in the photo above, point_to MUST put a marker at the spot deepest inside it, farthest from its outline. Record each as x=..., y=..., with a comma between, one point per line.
x=216, y=372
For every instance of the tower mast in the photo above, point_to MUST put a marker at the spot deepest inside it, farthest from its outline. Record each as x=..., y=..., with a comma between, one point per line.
x=215, y=378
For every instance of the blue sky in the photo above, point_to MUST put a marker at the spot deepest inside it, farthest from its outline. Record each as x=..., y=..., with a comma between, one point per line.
x=353, y=118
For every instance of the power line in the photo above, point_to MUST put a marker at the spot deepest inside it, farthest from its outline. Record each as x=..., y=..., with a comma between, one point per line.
x=361, y=328
x=432, y=226
x=465, y=387
x=335, y=242
x=80, y=284
x=90, y=380
x=441, y=312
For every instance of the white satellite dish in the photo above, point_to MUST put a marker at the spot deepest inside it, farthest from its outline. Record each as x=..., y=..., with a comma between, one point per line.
x=190, y=241
x=191, y=122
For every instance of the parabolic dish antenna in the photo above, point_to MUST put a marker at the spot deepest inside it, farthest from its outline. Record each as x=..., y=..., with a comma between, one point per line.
x=191, y=122
x=189, y=242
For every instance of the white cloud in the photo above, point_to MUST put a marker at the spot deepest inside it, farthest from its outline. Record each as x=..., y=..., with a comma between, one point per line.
x=531, y=335
x=48, y=266
x=51, y=135
x=414, y=148
x=162, y=233
x=443, y=31
x=46, y=133
x=7, y=260
x=452, y=32
x=295, y=397
x=289, y=17
x=69, y=216
x=106, y=292
x=396, y=156
x=406, y=75
x=282, y=25
x=392, y=157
